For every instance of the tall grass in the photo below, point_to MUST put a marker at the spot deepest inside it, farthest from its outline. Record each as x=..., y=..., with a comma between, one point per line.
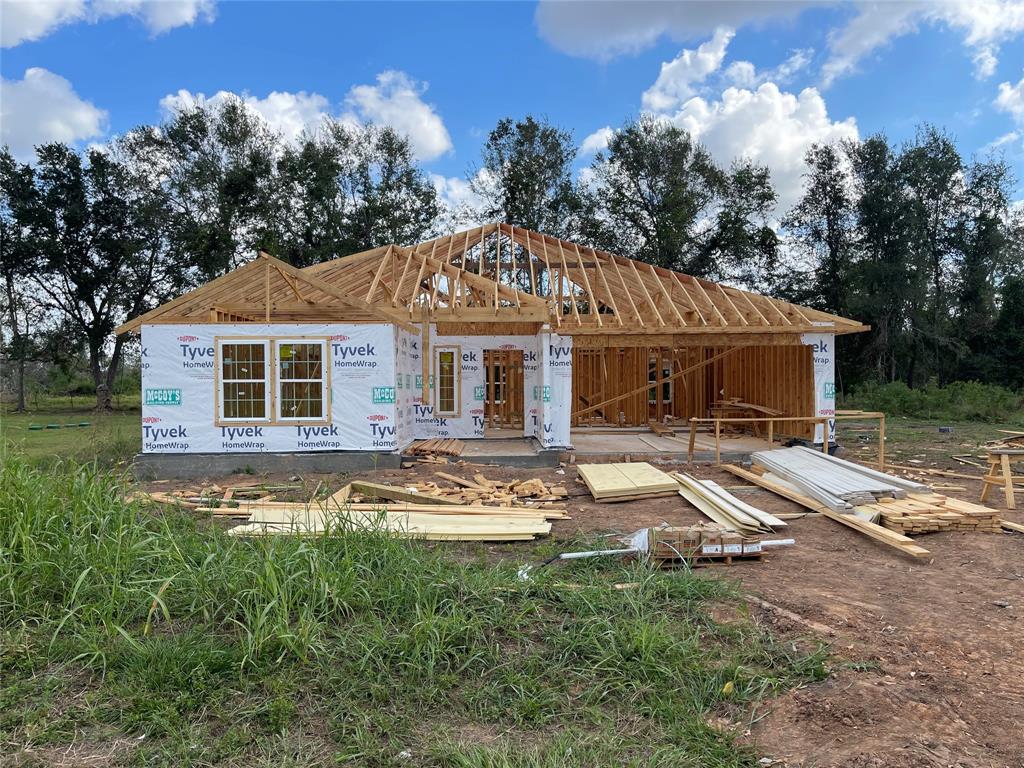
x=958, y=401
x=220, y=649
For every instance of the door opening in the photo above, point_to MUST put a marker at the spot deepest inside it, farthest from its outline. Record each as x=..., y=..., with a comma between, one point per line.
x=503, y=377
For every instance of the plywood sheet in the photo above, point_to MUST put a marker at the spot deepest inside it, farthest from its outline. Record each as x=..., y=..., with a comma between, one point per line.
x=625, y=479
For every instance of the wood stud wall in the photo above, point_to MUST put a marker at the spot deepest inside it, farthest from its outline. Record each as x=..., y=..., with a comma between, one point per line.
x=780, y=377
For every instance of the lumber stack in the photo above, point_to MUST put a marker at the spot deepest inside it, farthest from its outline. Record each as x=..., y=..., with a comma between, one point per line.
x=436, y=446
x=628, y=481
x=724, y=508
x=698, y=544
x=930, y=513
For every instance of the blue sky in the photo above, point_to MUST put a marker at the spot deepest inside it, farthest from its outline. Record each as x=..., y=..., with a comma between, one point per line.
x=761, y=79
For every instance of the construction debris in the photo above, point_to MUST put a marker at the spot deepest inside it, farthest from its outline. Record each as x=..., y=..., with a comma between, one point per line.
x=629, y=481
x=932, y=512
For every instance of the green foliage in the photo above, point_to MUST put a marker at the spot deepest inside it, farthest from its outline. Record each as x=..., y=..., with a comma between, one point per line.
x=221, y=649
x=959, y=401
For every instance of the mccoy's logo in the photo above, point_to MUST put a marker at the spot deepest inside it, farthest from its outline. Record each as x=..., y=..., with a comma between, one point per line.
x=383, y=395
x=188, y=338
x=376, y=417
x=162, y=396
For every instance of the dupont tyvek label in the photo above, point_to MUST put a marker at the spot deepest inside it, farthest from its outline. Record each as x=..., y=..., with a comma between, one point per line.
x=823, y=349
x=180, y=395
x=556, y=390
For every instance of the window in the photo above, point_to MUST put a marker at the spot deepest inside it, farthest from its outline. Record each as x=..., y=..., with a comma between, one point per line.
x=244, y=393
x=449, y=381
x=300, y=380
x=273, y=381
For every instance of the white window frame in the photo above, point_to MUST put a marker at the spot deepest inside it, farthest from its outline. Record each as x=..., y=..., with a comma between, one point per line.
x=325, y=383
x=268, y=384
x=457, y=399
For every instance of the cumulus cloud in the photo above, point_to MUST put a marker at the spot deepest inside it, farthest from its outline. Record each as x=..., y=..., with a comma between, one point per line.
x=985, y=24
x=596, y=141
x=768, y=126
x=603, y=30
x=1011, y=100
x=461, y=206
x=396, y=100
x=43, y=107
x=28, y=20
x=288, y=114
x=676, y=81
x=745, y=75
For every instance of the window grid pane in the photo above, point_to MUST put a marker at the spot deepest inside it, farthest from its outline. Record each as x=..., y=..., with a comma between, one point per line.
x=244, y=400
x=446, y=381
x=243, y=380
x=243, y=362
x=300, y=374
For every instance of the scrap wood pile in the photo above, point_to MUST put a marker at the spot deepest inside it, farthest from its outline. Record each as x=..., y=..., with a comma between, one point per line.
x=481, y=490
x=435, y=449
x=403, y=511
x=205, y=495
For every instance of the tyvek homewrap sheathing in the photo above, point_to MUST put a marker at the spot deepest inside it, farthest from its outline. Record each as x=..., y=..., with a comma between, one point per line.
x=823, y=347
x=178, y=388
x=376, y=390
x=547, y=387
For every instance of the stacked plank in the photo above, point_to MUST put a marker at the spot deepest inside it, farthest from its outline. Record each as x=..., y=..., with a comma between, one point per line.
x=836, y=484
x=439, y=446
x=629, y=481
x=724, y=508
x=697, y=544
x=930, y=513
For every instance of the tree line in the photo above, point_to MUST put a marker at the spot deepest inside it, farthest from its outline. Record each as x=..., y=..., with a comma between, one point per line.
x=913, y=239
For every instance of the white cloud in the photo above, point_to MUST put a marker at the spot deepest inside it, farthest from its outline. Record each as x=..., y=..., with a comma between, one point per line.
x=745, y=75
x=676, y=81
x=596, y=141
x=27, y=20
x=396, y=101
x=985, y=24
x=43, y=107
x=286, y=113
x=768, y=126
x=603, y=30
x=24, y=21
x=158, y=16
x=1002, y=141
x=1011, y=100
x=460, y=205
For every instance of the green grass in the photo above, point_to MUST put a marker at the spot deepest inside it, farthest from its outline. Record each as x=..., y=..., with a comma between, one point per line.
x=152, y=632
x=109, y=439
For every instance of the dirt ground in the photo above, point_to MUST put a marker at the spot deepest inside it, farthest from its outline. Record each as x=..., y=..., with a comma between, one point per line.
x=928, y=655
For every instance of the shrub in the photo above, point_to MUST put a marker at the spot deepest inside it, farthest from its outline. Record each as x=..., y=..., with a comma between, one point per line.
x=959, y=401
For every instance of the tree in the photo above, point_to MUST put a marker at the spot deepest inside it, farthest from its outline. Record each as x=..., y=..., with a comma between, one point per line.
x=526, y=177
x=653, y=188
x=98, y=227
x=216, y=165
x=742, y=246
x=17, y=258
x=822, y=228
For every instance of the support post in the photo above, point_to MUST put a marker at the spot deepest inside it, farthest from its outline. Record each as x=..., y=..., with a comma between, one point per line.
x=718, y=443
x=693, y=436
x=771, y=432
x=425, y=344
x=881, y=443
x=824, y=436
